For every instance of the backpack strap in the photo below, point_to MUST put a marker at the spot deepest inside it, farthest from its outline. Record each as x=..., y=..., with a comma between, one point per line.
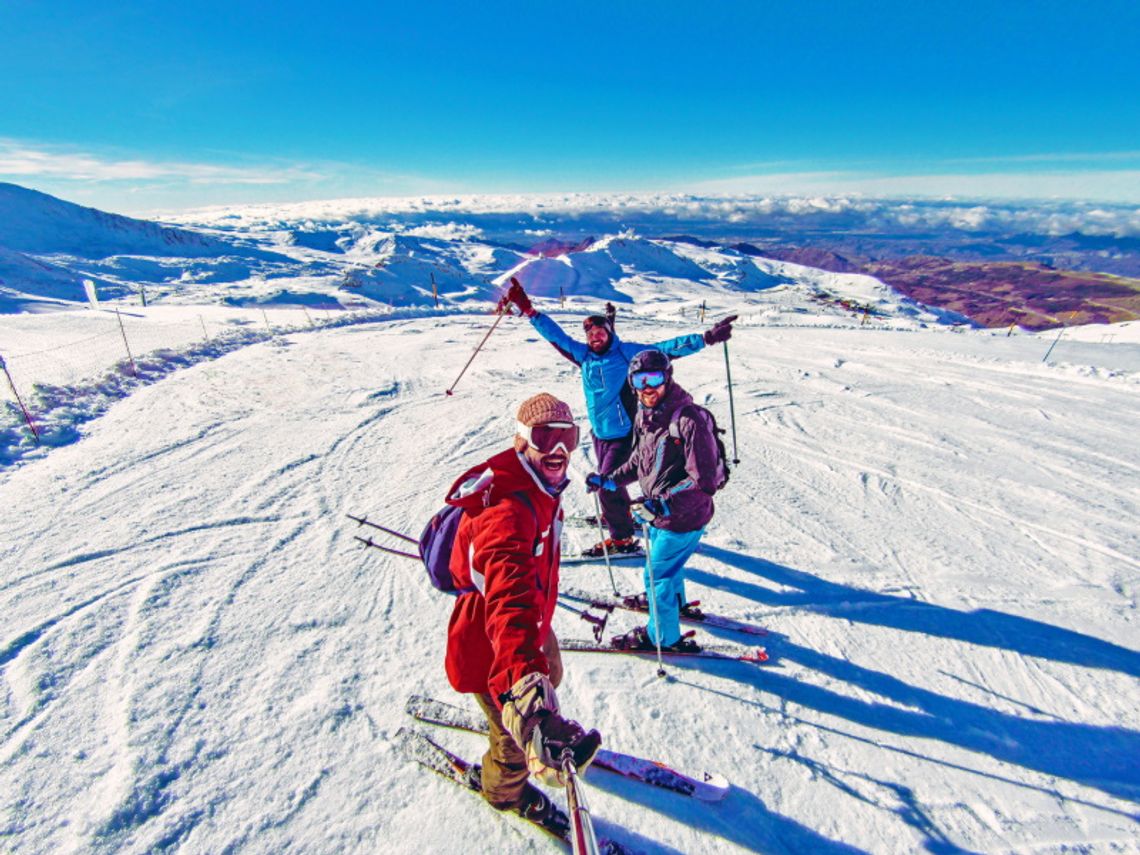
x=674, y=427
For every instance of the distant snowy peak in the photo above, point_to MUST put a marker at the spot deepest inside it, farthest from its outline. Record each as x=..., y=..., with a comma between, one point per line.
x=35, y=222
x=553, y=247
x=611, y=263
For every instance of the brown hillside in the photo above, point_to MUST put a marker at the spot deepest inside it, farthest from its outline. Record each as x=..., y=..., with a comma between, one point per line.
x=997, y=294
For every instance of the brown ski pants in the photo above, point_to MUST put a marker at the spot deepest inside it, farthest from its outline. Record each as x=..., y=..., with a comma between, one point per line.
x=504, y=765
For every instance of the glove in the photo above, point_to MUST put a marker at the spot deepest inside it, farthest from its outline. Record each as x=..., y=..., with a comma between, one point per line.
x=611, y=313
x=518, y=296
x=657, y=507
x=531, y=717
x=595, y=482
x=720, y=331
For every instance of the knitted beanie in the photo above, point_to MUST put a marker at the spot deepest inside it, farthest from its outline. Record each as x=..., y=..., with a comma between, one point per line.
x=542, y=409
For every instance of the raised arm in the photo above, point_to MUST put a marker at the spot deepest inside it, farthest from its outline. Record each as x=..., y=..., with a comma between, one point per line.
x=575, y=351
x=683, y=345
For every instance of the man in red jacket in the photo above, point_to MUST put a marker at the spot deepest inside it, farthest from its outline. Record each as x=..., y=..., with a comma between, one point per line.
x=500, y=645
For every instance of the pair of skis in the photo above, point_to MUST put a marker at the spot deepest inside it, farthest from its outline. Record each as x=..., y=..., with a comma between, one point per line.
x=421, y=748
x=606, y=605
x=635, y=603
x=706, y=788
x=431, y=755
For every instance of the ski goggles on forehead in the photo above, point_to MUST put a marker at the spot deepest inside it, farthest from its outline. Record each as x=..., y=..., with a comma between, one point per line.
x=595, y=321
x=550, y=437
x=647, y=380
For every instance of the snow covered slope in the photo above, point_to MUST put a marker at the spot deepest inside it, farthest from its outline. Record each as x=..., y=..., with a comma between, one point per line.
x=27, y=283
x=35, y=222
x=938, y=529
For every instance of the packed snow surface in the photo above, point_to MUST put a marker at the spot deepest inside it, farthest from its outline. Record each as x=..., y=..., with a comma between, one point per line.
x=938, y=529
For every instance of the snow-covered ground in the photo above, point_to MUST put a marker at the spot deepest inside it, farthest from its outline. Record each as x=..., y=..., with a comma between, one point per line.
x=939, y=530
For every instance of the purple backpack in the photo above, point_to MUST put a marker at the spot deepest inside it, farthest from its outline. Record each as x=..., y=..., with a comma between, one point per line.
x=437, y=541
x=435, y=548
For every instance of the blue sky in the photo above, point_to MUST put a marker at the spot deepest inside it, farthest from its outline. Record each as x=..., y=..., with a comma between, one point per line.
x=143, y=105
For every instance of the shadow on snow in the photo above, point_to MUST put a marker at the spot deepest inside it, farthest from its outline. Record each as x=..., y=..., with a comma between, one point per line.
x=1097, y=756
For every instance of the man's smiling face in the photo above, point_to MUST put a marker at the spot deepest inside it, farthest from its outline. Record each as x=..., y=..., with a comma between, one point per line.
x=597, y=338
x=651, y=396
x=550, y=467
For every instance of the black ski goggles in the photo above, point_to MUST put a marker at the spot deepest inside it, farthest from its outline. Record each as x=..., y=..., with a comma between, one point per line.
x=595, y=321
x=647, y=380
x=549, y=438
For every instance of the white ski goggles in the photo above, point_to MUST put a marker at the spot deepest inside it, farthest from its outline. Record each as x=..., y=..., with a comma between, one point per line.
x=548, y=438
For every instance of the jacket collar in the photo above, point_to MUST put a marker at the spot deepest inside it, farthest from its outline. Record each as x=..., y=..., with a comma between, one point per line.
x=505, y=473
x=538, y=479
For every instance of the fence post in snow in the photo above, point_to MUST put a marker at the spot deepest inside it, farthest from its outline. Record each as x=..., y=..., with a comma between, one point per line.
x=434, y=291
x=1045, y=358
x=204, y=333
x=267, y=326
x=126, y=344
x=20, y=401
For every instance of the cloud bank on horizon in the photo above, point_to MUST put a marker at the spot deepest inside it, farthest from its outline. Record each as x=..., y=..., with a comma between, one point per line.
x=141, y=186
x=659, y=214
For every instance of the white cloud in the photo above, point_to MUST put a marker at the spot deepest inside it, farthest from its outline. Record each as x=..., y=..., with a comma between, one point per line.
x=444, y=231
x=1107, y=185
x=24, y=160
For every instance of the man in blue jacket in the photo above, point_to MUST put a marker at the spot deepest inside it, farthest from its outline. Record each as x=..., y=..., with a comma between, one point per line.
x=604, y=359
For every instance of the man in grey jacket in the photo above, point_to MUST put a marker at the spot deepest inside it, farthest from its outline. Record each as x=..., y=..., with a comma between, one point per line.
x=676, y=461
x=604, y=360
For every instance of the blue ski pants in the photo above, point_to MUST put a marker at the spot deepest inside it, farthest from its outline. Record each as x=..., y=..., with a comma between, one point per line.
x=668, y=552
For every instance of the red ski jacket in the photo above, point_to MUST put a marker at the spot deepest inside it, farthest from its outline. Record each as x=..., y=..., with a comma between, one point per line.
x=507, y=547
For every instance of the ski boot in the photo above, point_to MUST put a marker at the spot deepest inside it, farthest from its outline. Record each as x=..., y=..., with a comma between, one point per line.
x=615, y=546
x=638, y=639
x=685, y=644
x=638, y=602
x=534, y=805
x=537, y=807
x=691, y=610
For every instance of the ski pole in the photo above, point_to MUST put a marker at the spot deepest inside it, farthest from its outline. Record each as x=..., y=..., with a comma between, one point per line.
x=367, y=541
x=582, y=837
x=731, y=406
x=605, y=550
x=477, y=349
x=651, y=593
x=368, y=522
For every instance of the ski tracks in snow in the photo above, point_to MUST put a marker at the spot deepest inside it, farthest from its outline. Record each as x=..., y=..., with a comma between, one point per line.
x=194, y=638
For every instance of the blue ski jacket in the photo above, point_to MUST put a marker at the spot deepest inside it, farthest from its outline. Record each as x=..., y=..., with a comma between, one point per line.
x=604, y=375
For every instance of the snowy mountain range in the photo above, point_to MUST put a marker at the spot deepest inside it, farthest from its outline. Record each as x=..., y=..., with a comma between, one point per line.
x=48, y=247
